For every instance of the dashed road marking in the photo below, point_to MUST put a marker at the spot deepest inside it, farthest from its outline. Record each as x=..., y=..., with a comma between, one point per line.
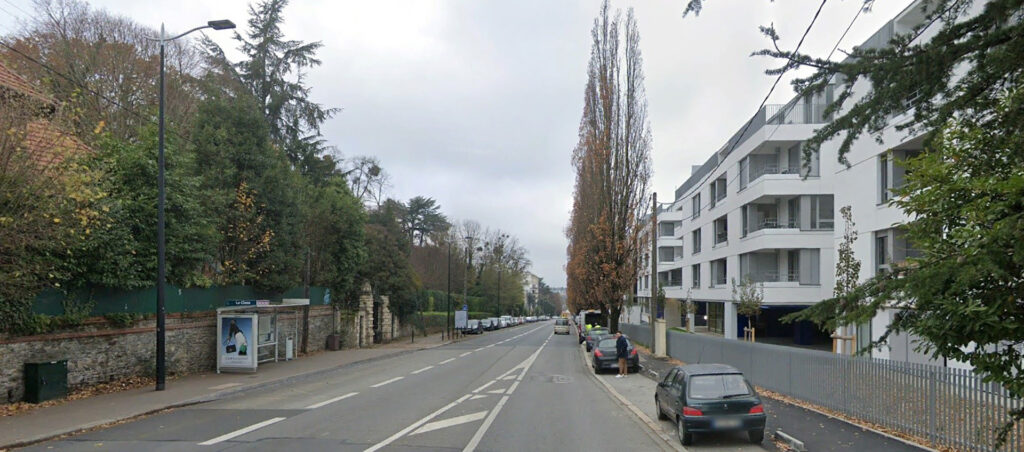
x=330, y=401
x=446, y=361
x=386, y=382
x=241, y=431
x=464, y=354
x=422, y=370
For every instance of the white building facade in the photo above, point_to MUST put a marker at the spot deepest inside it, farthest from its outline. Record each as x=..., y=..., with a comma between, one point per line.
x=755, y=210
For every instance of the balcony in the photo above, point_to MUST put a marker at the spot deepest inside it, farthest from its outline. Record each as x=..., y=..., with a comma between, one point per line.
x=796, y=113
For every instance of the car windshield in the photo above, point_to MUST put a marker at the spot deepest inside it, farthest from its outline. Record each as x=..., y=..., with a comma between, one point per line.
x=473, y=322
x=561, y=322
x=718, y=386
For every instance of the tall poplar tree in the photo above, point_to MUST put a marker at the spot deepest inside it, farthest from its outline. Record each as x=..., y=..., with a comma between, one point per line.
x=612, y=161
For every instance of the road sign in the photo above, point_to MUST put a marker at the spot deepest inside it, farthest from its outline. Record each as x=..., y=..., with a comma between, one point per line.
x=465, y=307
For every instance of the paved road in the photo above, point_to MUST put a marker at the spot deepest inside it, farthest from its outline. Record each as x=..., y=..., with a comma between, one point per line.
x=515, y=389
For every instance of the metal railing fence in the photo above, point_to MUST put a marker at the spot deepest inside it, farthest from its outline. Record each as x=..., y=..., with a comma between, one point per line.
x=949, y=407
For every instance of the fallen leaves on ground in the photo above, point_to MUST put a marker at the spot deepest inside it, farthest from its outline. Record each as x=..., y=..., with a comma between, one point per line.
x=852, y=420
x=122, y=384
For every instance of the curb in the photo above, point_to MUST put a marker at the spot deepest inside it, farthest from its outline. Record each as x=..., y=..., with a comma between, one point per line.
x=651, y=424
x=210, y=398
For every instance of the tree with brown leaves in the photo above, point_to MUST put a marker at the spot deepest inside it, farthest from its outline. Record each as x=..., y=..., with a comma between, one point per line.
x=613, y=169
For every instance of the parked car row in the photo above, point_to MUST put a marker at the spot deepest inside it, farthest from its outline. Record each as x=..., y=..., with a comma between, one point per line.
x=478, y=326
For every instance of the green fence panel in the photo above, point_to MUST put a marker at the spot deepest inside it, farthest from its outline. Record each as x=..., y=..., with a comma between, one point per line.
x=143, y=301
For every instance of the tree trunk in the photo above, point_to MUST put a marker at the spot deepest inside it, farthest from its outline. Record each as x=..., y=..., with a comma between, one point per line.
x=613, y=321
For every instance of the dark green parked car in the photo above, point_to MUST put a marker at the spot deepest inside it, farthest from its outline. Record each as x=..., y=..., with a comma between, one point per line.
x=710, y=398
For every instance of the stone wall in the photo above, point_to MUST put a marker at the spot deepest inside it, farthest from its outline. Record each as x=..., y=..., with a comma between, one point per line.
x=97, y=353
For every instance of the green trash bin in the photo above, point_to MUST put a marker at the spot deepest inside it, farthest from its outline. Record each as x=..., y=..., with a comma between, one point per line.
x=46, y=380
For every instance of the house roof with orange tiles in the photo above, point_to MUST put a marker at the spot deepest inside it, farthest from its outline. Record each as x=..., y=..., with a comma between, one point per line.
x=45, y=142
x=47, y=145
x=14, y=82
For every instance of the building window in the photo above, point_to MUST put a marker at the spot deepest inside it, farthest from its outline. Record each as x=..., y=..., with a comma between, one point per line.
x=794, y=213
x=695, y=270
x=696, y=241
x=884, y=165
x=744, y=220
x=716, y=317
x=696, y=205
x=718, y=276
x=822, y=214
x=882, y=254
x=717, y=190
x=667, y=228
x=721, y=230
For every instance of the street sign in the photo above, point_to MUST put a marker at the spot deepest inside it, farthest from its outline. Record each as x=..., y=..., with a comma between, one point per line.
x=465, y=307
x=247, y=303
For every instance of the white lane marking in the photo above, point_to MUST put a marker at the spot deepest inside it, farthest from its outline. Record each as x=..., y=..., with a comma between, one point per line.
x=486, y=385
x=386, y=382
x=225, y=386
x=481, y=348
x=446, y=361
x=489, y=346
x=458, y=420
x=241, y=432
x=525, y=366
x=478, y=396
x=330, y=401
x=464, y=354
x=509, y=377
x=483, y=428
x=422, y=370
x=416, y=425
x=512, y=388
x=496, y=391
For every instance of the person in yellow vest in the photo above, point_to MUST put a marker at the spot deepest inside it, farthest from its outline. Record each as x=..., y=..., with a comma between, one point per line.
x=589, y=327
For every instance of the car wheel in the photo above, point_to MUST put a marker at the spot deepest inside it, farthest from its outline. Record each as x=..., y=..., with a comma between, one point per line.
x=686, y=438
x=661, y=414
x=756, y=436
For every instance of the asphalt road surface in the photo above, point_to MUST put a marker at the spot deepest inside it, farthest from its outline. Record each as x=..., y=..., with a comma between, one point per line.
x=515, y=389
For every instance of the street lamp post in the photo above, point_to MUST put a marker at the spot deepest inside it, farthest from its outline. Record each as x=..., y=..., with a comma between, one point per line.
x=161, y=266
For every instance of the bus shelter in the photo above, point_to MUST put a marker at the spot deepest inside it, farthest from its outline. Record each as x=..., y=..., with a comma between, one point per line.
x=249, y=333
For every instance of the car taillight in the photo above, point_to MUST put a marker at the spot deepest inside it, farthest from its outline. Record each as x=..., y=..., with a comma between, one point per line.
x=597, y=353
x=687, y=411
x=757, y=409
x=633, y=352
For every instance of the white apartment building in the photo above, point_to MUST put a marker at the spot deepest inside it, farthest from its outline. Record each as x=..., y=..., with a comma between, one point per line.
x=531, y=288
x=754, y=209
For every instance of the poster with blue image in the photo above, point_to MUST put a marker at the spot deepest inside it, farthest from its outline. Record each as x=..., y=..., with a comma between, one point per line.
x=237, y=341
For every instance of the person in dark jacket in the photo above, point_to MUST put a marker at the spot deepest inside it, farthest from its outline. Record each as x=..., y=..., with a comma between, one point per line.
x=621, y=352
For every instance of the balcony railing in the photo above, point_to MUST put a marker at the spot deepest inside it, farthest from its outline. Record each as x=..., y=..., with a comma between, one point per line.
x=798, y=113
x=774, y=276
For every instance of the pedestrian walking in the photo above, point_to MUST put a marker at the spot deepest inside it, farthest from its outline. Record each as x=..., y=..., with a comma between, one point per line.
x=621, y=352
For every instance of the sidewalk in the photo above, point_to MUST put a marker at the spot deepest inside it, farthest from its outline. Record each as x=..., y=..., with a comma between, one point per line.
x=818, y=432
x=83, y=414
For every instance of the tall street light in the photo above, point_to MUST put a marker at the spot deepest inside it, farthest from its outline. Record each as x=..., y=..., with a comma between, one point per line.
x=161, y=269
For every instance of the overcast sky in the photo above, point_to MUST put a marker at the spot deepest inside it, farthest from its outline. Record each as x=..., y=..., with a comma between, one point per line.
x=477, y=103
